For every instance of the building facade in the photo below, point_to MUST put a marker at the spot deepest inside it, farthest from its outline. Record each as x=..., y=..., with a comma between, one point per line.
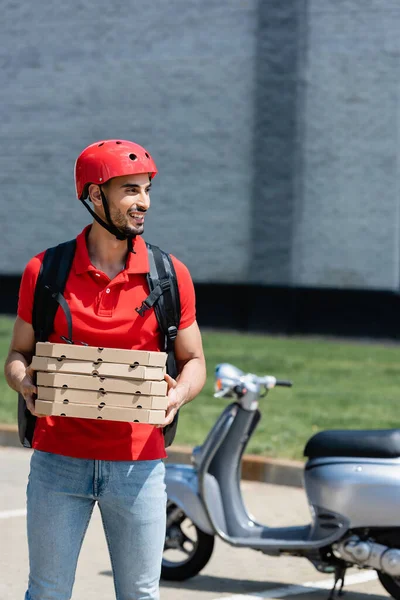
x=274, y=125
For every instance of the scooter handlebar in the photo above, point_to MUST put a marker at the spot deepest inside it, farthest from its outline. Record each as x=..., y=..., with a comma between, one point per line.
x=284, y=383
x=271, y=382
x=230, y=381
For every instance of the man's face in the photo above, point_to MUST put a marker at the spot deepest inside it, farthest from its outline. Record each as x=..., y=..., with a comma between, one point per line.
x=128, y=199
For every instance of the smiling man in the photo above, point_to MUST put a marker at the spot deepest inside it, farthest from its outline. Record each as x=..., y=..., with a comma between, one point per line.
x=77, y=463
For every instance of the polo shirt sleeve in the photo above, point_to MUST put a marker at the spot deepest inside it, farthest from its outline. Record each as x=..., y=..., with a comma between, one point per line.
x=186, y=294
x=27, y=288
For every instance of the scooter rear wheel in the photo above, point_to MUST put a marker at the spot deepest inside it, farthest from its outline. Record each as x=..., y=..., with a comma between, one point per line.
x=187, y=548
x=391, y=584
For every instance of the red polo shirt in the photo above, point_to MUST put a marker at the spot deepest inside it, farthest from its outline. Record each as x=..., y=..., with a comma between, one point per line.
x=103, y=314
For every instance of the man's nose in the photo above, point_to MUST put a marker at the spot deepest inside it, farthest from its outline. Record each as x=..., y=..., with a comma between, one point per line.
x=143, y=201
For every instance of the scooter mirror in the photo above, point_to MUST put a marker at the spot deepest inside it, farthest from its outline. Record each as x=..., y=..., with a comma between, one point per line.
x=227, y=378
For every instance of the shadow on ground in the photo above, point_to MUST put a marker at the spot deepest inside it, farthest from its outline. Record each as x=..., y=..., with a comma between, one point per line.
x=224, y=585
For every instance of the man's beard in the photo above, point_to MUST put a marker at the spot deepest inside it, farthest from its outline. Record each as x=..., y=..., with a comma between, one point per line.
x=122, y=223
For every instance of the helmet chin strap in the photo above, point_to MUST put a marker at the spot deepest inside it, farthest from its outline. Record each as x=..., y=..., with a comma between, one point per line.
x=111, y=228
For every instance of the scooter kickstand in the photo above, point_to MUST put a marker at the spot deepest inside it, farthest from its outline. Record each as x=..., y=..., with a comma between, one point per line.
x=340, y=573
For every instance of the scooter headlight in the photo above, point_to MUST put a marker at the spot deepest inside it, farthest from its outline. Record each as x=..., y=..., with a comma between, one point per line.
x=227, y=377
x=218, y=385
x=221, y=391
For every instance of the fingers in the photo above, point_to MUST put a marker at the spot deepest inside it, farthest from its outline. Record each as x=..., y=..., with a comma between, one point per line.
x=177, y=396
x=29, y=391
x=172, y=409
x=172, y=383
x=173, y=403
x=168, y=418
x=28, y=388
x=28, y=383
x=30, y=372
x=30, y=405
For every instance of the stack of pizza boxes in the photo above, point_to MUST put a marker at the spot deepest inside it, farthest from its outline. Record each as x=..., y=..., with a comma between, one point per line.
x=100, y=383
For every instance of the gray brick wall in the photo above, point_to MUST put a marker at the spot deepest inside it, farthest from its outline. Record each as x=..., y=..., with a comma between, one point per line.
x=347, y=213
x=177, y=77
x=274, y=126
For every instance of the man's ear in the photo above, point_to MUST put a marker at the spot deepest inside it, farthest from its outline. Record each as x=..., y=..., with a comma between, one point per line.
x=95, y=195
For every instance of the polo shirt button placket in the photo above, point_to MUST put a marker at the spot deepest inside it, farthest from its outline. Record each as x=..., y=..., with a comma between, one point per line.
x=105, y=306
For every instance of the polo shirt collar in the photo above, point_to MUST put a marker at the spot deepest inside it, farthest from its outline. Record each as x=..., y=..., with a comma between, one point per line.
x=138, y=261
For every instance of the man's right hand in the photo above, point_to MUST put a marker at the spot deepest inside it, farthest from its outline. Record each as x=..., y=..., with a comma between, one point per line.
x=29, y=391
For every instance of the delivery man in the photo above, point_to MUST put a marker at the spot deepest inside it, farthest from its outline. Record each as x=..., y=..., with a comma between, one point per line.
x=77, y=463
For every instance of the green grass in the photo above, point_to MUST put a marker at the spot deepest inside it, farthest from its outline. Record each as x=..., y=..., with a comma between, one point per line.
x=336, y=385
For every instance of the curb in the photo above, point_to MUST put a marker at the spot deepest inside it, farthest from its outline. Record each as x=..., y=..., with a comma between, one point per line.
x=9, y=436
x=254, y=467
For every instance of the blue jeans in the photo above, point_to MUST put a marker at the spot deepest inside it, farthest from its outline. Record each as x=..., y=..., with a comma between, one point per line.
x=61, y=495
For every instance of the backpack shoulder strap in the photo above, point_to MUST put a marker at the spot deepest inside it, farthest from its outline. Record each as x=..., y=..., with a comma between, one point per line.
x=49, y=289
x=162, y=272
x=164, y=296
x=50, y=286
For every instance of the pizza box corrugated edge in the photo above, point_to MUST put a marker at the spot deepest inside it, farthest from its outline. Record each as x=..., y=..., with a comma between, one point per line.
x=93, y=397
x=106, y=413
x=94, y=354
x=91, y=382
x=41, y=363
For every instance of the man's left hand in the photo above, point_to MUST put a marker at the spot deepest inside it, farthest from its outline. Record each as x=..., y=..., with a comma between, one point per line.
x=177, y=396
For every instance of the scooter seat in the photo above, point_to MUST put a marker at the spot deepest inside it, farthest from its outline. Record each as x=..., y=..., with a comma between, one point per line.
x=368, y=443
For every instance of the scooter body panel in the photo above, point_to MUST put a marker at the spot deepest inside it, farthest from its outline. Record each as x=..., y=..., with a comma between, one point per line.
x=344, y=493
x=182, y=490
x=218, y=463
x=366, y=491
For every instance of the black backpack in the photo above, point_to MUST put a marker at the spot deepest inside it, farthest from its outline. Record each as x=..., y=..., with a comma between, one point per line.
x=53, y=275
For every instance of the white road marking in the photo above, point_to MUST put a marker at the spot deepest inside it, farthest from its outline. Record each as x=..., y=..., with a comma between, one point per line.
x=306, y=588
x=9, y=514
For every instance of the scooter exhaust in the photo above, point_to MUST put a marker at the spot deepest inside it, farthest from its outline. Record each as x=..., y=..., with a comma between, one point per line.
x=368, y=554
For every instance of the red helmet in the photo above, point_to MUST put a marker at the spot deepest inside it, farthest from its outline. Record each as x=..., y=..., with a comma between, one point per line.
x=101, y=161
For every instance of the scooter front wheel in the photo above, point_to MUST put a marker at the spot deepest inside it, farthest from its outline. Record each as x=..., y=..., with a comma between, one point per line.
x=391, y=584
x=187, y=548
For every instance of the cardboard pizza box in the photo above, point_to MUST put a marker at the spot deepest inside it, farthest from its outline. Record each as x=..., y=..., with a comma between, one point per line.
x=102, y=384
x=94, y=354
x=63, y=365
x=93, y=397
x=106, y=413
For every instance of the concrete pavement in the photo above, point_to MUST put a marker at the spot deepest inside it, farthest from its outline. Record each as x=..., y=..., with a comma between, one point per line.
x=231, y=574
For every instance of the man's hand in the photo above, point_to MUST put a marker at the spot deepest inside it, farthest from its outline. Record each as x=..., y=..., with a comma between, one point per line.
x=29, y=391
x=177, y=396
x=19, y=375
x=192, y=371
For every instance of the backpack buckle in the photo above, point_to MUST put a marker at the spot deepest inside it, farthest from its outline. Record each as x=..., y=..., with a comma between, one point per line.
x=165, y=284
x=172, y=332
x=142, y=309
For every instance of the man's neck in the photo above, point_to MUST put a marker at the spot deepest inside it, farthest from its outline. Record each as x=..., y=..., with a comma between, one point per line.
x=106, y=253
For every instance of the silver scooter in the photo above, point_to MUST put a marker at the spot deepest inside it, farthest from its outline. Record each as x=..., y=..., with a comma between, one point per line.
x=351, y=478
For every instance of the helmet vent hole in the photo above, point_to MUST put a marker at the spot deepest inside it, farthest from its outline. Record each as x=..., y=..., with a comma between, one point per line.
x=102, y=144
x=133, y=156
x=118, y=142
x=147, y=155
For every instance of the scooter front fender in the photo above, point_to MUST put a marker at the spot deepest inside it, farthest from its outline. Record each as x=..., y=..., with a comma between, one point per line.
x=183, y=490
